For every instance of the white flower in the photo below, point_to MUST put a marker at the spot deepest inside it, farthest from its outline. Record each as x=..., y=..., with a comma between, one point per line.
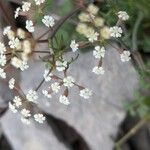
x=2, y=73
x=14, y=43
x=47, y=76
x=98, y=70
x=92, y=36
x=46, y=94
x=25, y=121
x=99, y=22
x=125, y=56
x=29, y=26
x=68, y=81
x=74, y=46
x=27, y=48
x=85, y=93
x=12, y=107
x=26, y=6
x=123, y=15
x=2, y=48
x=61, y=66
x=55, y=87
x=81, y=28
x=99, y=52
x=11, y=83
x=24, y=66
x=105, y=32
x=32, y=96
x=40, y=118
x=84, y=17
x=25, y=113
x=17, y=12
x=2, y=60
x=6, y=30
x=10, y=33
x=115, y=31
x=92, y=9
x=16, y=62
x=64, y=100
x=21, y=33
x=17, y=101
x=39, y=2
x=48, y=21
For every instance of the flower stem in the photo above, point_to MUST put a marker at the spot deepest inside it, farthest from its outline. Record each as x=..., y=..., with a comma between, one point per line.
x=130, y=133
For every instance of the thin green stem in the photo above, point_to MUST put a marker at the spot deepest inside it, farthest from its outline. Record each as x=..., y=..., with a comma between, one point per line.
x=131, y=132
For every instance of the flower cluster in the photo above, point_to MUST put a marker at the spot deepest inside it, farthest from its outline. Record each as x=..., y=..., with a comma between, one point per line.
x=67, y=82
x=47, y=20
x=123, y=15
x=17, y=105
x=32, y=96
x=21, y=47
x=11, y=83
x=90, y=24
x=115, y=31
x=18, y=43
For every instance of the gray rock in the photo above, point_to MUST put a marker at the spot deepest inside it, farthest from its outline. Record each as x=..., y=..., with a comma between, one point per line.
x=32, y=137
